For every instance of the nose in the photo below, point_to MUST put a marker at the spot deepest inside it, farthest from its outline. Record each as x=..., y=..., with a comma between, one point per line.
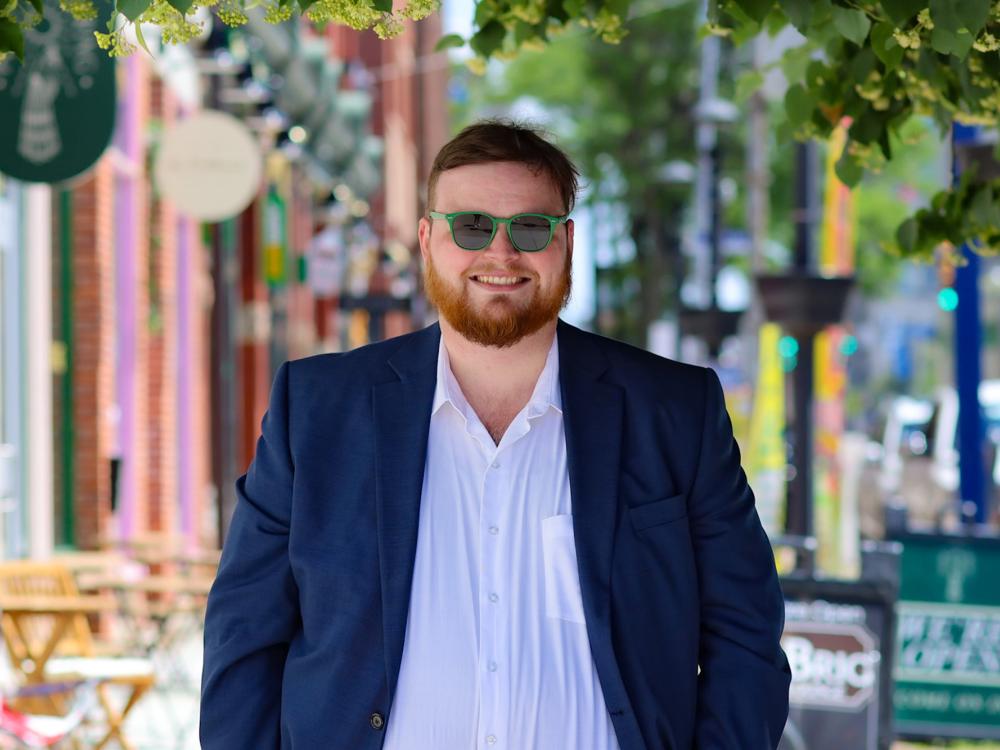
x=501, y=247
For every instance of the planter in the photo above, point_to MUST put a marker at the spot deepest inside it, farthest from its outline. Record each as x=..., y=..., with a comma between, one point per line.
x=711, y=325
x=804, y=304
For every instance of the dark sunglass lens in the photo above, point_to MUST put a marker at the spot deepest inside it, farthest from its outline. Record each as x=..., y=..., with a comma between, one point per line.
x=472, y=231
x=530, y=233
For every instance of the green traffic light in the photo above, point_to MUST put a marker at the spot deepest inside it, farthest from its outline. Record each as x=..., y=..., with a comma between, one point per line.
x=788, y=346
x=948, y=299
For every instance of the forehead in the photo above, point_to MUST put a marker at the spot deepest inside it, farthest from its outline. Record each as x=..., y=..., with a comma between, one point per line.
x=501, y=188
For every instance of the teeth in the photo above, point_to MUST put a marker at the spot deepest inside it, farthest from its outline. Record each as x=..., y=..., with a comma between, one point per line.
x=506, y=280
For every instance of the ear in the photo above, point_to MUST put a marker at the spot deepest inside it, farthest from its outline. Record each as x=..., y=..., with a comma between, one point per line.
x=570, y=228
x=424, y=237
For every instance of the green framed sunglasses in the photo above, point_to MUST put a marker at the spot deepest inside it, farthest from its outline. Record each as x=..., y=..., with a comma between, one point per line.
x=474, y=230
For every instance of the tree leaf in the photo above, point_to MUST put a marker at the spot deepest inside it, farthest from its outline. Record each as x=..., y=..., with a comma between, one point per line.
x=488, y=39
x=868, y=127
x=132, y=9
x=848, y=170
x=799, y=103
x=618, y=7
x=885, y=143
x=573, y=8
x=522, y=32
x=743, y=26
x=449, y=41
x=140, y=38
x=304, y=5
x=885, y=46
x=486, y=11
x=795, y=61
x=906, y=235
x=747, y=83
x=383, y=6
x=39, y=6
x=951, y=43
x=984, y=209
x=851, y=24
x=11, y=38
x=901, y=11
x=555, y=9
x=972, y=14
x=182, y=6
x=755, y=9
x=776, y=21
x=800, y=14
x=862, y=65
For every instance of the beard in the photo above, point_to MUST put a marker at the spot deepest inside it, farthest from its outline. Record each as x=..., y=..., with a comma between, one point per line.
x=499, y=322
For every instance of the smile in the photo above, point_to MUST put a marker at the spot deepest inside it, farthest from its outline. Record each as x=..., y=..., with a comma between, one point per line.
x=500, y=281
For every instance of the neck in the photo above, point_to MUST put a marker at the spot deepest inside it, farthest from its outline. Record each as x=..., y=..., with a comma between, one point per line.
x=503, y=372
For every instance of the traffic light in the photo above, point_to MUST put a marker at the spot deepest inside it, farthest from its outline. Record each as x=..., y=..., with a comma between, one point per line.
x=788, y=348
x=849, y=345
x=948, y=299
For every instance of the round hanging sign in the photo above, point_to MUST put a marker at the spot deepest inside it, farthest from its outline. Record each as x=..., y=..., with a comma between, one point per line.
x=58, y=106
x=209, y=166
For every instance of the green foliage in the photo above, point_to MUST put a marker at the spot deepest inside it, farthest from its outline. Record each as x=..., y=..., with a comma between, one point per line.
x=882, y=64
x=501, y=27
x=11, y=37
x=173, y=17
x=886, y=199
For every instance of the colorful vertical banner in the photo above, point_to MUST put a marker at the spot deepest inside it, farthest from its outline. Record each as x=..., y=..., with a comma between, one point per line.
x=836, y=259
x=839, y=214
x=275, y=238
x=766, y=456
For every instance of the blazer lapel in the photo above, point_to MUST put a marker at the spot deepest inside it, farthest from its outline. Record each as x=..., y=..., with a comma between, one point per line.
x=402, y=410
x=593, y=412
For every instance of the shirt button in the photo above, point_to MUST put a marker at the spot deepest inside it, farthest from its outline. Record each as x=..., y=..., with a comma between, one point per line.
x=494, y=598
x=494, y=530
x=491, y=740
x=377, y=720
x=493, y=666
x=496, y=464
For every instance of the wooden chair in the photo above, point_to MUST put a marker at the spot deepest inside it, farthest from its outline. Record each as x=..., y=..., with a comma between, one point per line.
x=48, y=637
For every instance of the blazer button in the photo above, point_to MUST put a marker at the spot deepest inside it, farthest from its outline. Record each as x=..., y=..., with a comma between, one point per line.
x=377, y=720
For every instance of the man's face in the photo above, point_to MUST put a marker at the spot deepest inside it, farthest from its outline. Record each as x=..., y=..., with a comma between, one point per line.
x=455, y=279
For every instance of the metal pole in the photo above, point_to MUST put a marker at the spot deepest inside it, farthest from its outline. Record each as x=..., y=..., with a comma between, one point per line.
x=800, y=496
x=968, y=373
x=968, y=368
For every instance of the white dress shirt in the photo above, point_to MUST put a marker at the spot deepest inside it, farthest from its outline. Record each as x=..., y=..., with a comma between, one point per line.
x=496, y=653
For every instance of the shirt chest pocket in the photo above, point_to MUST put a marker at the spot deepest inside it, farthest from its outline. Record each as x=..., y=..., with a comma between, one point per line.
x=563, y=598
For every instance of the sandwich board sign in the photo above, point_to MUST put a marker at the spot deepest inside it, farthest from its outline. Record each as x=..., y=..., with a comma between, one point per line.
x=947, y=673
x=836, y=635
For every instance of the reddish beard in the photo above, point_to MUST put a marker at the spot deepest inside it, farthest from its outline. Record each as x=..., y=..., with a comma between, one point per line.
x=500, y=322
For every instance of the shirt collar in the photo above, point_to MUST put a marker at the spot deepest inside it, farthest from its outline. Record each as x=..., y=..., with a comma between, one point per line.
x=546, y=393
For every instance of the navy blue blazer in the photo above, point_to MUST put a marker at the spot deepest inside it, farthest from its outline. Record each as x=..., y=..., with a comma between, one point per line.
x=305, y=623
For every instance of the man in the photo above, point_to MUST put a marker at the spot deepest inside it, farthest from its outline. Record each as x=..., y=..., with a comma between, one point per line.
x=499, y=531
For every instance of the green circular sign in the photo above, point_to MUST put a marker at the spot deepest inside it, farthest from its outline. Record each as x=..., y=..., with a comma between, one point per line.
x=57, y=108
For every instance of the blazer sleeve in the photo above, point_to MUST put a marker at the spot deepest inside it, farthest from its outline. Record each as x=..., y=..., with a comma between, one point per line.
x=253, y=605
x=744, y=675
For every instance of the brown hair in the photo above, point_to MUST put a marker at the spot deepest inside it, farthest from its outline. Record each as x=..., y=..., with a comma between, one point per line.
x=505, y=140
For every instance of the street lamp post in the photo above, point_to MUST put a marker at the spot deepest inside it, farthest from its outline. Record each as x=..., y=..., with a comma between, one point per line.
x=803, y=303
x=712, y=324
